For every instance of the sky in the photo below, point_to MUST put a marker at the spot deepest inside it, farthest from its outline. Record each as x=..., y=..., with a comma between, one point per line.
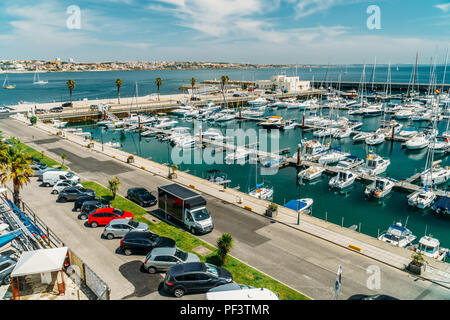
x=252, y=31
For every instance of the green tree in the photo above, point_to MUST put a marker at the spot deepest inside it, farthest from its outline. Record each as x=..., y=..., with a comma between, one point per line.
x=15, y=165
x=224, y=246
x=223, y=82
x=158, y=82
x=33, y=120
x=193, y=82
x=63, y=157
x=71, y=86
x=113, y=186
x=118, y=85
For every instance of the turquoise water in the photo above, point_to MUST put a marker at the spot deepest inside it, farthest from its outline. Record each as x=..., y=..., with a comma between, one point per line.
x=349, y=206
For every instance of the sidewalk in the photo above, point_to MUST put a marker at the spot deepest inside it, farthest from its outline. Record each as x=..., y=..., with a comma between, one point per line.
x=396, y=257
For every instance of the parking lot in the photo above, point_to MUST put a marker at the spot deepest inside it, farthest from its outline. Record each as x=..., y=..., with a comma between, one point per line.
x=124, y=274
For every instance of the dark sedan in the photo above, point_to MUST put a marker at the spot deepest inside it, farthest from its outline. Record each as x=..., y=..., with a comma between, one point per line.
x=57, y=109
x=141, y=196
x=73, y=193
x=92, y=205
x=195, y=277
x=143, y=242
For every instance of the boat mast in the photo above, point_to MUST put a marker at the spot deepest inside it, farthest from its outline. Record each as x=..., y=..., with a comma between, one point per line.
x=415, y=72
x=445, y=71
x=373, y=72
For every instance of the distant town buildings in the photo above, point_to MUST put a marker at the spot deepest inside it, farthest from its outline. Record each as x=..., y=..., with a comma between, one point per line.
x=60, y=65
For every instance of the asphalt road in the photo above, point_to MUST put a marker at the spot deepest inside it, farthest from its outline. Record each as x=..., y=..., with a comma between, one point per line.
x=302, y=261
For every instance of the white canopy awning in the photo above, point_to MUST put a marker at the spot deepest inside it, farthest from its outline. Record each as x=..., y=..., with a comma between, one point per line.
x=40, y=261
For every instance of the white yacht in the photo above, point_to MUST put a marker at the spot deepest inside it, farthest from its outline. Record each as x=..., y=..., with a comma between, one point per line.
x=289, y=124
x=113, y=144
x=325, y=132
x=406, y=133
x=439, y=147
x=375, y=139
x=262, y=192
x=374, y=165
x=435, y=175
x=312, y=149
x=272, y=122
x=333, y=156
x=404, y=114
x=421, y=199
x=343, y=132
x=59, y=124
x=379, y=188
x=419, y=141
x=166, y=123
x=343, y=179
x=431, y=247
x=258, y=102
x=239, y=154
x=311, y=173
x=187, y=142
x=398, y=235
x=349, y=163
x=362, y=136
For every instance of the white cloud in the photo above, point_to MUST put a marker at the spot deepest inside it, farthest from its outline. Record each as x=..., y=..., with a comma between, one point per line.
x=444, y=7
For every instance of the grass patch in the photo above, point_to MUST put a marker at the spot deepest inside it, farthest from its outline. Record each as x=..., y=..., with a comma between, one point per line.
x=45, y=160
x=241, y=272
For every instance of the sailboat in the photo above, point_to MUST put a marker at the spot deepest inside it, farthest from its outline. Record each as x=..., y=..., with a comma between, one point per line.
x=36, y=79
x=7, y=85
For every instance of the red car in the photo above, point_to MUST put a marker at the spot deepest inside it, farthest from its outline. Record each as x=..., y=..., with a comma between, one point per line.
x=103, y=216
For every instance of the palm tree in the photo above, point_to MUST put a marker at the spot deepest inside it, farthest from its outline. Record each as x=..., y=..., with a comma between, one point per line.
x=15, y=165
x=71, y=86
x=223, y=82
x=224, y=246
x=158, y=84
x=193, y=82
x=118, y=85
x=63, y=157
x=113, y=186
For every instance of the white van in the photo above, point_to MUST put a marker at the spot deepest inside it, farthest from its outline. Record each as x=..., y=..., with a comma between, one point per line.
x=50, y=178
x=236, y=291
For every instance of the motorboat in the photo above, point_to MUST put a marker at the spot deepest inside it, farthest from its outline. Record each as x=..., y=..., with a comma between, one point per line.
x=442, y=205
x=398, y=235
x=262, y=192
x=258, y=102
x=325, y=132
x=349, y=163
x=343, y=179
x=300, y=205
x=311, y=173
x=362, y=136
x=113, y=144
x=312, y=149
x=59, y=124
x=380, y=188
x=406, y=133
x=187, y=142
x=289, y=124
x=422, y=198
x=344, y=132
x=417, y=142
x=239, y=154
x=431, y=247
x=333, y=156
x=375, y=139
x=373, y=110
x=166, y=123
x=422, y=116
x=272, y=122
x=435, y=175
x=404, y=114
x=226, y=117
x=439, y=147
x=374, y=165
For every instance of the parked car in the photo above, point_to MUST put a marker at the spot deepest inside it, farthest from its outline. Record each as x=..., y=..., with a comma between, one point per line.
x=143, y=242
x=37, y=168
x=92, y=205
x=50, y=178
x=161, y=259
x=79, y=202
x=62, y=184
x=195, y=99
x=194, y=277
x=103, y=216
x=56, y=109
x=73, y=193
x=67, y=104
x=237, y=291
x=141, y=196
x=7, y=265
x=371, y=297
x=39, y=111
x=118, y=228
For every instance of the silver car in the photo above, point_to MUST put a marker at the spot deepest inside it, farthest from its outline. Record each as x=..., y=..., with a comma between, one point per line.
x=161, y=259
x=118, y=228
